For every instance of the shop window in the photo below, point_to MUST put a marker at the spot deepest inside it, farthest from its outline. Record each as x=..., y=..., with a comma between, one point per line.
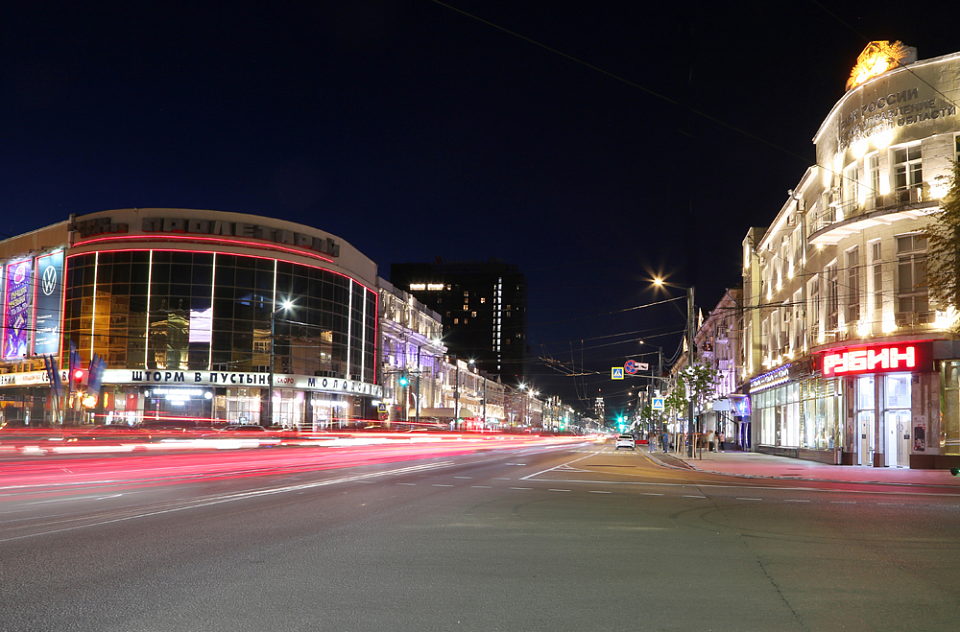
x=950, y=406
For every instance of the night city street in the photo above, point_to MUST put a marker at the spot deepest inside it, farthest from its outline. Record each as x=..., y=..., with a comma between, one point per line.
x=542, y=536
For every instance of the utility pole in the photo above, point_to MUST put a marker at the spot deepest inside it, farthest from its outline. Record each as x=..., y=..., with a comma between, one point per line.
x=690, y=335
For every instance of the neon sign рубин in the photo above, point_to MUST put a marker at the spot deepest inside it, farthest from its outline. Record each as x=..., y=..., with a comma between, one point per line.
x=878, y=359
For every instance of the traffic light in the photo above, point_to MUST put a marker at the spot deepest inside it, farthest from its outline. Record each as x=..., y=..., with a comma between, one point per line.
x=403, y=379
x=79, y=379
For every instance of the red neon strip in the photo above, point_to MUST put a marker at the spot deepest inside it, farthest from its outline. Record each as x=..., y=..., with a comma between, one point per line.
x=228, y=254
x=214, y=240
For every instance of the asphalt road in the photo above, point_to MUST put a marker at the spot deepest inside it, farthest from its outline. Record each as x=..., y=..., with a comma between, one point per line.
x=540, y=538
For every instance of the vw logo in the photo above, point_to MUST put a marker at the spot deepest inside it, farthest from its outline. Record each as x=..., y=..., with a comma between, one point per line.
x=49, y=281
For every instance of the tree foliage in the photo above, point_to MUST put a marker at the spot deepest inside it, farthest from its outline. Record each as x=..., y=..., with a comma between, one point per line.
x=943, y=249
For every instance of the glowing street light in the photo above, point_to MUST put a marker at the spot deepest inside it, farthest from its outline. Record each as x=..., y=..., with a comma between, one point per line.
x=285, y=305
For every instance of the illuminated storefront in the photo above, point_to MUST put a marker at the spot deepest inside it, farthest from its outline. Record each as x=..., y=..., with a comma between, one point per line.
x=836, y=302
x=195, y=312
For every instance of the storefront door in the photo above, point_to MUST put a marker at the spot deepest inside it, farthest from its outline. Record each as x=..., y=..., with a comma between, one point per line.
x=898, y=438
x=866, y=417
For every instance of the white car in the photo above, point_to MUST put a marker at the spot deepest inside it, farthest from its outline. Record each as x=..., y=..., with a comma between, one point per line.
x=626, y=441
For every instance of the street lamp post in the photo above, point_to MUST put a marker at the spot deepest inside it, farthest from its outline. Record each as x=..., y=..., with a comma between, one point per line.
x=284, y=305
x=690, y=339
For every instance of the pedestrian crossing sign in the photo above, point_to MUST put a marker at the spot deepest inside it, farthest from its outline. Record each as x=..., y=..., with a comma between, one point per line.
x=658, y=403
x=616, y=373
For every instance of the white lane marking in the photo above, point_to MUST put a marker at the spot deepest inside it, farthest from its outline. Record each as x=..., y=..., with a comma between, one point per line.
x=558, y=490
x=796, y=501
x=593, y=491
x=501, y=479
x=111, y=496
x=521, y=488
x=567, y=464
x=843, y=502
x=467, y=478
x=892, y=504
x=649, y=494
x=514, y=463
x=441, y=485
x=227, y=498
x=410, y=484
x=483, y=486
x=741, y=498
x=686, y=496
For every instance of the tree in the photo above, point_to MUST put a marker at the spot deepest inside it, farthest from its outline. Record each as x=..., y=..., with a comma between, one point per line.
x=943, y=249
x=701, y=381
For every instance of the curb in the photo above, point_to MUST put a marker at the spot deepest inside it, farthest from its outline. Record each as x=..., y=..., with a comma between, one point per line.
x=687, y=467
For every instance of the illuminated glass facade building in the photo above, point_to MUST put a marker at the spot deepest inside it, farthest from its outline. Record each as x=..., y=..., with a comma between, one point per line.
x=847, y=357
x=196, y=311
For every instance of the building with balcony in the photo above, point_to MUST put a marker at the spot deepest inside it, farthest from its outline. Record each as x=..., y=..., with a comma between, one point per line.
x=718, y=347
x=847, y=358
x=412, y=356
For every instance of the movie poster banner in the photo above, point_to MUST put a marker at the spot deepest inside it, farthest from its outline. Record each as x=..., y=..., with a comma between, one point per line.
x=47, y=304
x=16, y=311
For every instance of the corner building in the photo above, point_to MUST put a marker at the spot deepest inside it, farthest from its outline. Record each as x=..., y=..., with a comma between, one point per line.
x=195, y=312
x=847, y=358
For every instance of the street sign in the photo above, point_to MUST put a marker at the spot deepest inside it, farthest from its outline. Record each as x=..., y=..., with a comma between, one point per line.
x=632, y=366
x=616, y=373
x=657, y=403
x=381, y=408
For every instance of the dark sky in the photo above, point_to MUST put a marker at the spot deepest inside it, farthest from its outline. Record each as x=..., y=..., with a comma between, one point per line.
x=414, y=131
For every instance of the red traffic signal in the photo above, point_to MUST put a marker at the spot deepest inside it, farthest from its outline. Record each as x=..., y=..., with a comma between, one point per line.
x=79, y=378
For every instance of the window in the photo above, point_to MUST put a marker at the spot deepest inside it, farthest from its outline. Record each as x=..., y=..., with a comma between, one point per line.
x=907, y=169
x=872, y=165
x=912, y=305
x=797, y=323
x=466, y=306
x=814, y=311
x=483, y=300
x=853, y=285
x=877, y=289
x=473, y=314
x=831, y=297
x=848, y=188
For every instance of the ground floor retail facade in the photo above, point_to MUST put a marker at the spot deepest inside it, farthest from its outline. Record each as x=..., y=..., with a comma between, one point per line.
x=878, y=405
x=300, y=402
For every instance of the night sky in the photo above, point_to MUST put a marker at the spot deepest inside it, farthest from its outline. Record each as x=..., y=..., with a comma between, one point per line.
x=595, y=144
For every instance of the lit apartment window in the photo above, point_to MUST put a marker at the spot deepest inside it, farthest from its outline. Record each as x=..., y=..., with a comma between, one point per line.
x=907, y=168
x=473, y=314
x=853, y=285
x=483, y=299
x=912, y=304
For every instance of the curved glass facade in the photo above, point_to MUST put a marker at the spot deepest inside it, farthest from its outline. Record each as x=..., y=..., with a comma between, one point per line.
x=188, y=310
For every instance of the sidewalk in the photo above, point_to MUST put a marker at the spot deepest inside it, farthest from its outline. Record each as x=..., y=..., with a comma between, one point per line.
x=756, y=465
